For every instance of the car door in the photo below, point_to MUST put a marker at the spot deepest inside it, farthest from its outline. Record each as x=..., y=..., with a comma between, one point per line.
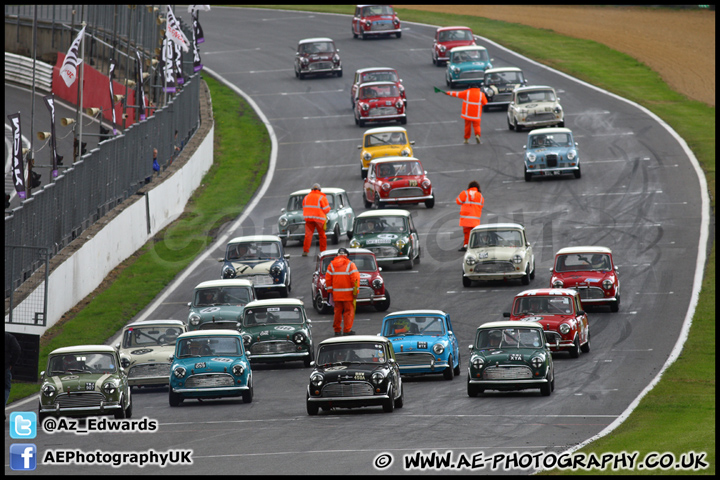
x=581, y=319
x=453, y=339
x=370, y=184
x=348, y=215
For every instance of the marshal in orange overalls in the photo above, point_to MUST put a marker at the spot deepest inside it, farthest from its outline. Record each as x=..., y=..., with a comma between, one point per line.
x=471, y=203
x=315, y=209
x=473, y=101
x=342, y=279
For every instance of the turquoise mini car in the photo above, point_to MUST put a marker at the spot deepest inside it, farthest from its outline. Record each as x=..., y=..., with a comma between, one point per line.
x=467, y=65
x=210, y=364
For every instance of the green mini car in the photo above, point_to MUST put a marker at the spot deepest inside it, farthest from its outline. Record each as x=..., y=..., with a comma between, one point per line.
x=277, y=330
x=83, y=381
x=390, y=234
x=511, y=356
x=291, y=224
x=218, y=304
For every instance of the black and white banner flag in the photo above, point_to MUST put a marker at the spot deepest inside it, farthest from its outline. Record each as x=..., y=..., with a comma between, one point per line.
x=168, y=51
x=18, y=170
x=50, y=103
x=195, y=10
x=139, y=89
x=174, y=32
x=112, y=95
x=177, y=58
x=68, y=71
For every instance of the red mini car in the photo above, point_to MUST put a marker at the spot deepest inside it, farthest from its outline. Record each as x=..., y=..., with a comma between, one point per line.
x=590, y=271
x=557, y=310
x=376, y=74
x=372, y=289
x=316, y=56
x=397, y=181
x=375, y=20
x=447, y=38
x=379, y=102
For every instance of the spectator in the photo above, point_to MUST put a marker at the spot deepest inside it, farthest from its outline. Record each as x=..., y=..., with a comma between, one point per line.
x=155, y=166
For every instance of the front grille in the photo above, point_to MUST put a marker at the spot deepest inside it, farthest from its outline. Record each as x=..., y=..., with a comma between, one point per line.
x=351, y=389
x=320, y=66
x=210, y=380
x=411, y=359
x=383, y=252
x=517, y=372
x=540, y=117
x=296, y=228
x=80, y=400
x=364, y=292
x=382, y=25
x=406, y=192
x=494, y=267
x=471, y=74
x=551, y=160
x=272, y=347
x=150, y=370
x=382, y=111
x=590, y=293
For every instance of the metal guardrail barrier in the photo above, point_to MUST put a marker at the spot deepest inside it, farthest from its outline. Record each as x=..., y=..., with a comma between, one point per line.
x=19, y=69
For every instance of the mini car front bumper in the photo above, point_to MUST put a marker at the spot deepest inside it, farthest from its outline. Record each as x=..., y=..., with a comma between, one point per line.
x=381, y=32
x=219, y=391
x=513, y=384
x=102, y=409
x=405, y=199
x=552, y=171
x=494, y=276
x=349, y=402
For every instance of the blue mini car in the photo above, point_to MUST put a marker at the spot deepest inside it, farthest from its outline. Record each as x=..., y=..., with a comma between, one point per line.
x=551, y=151
x=423, y=341
x=260, y=259
x=210, y=364
x=467, y=65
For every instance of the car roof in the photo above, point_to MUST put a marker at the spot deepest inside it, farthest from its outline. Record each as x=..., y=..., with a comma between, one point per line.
x=206, y=333
x=543, y=131
x=84, y=348
x=509, y=324
x=527, y=88
x=588, y=249
x=384, y=130
x=495, y=226
x=417, y=312
x=164, y=323
x=305, y=191
x=355, y=338
x=333, y=251
x=273, y=302
x=503, y=69
x=255, y=238
x=376, y=84
x=225, y=282
x=387, y=212
x=547, y=292
x=394, y=159
x=375, y=69
x=453, y=28
x=467, y=47
x=316, y=39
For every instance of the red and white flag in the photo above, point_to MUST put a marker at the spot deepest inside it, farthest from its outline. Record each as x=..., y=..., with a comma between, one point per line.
x=174, y=33
x=68, y=71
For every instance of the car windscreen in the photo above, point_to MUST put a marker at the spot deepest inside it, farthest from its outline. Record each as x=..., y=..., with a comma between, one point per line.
x=277, y=315
x=495, y=78
x=379, y=91
x=496, y=238
x=356, y=352
x=455, y=35
x=82, y=363
x=385, y=138
x=317, y=47
x=382, y=76
x=578, y=262
x=543, y=305
x=150, y=336
x=470, y=56
x=414, y=325
x=394, y=169
x=377, y=10
x=488, y=338
x=230, y=295
x=363, y=261
x=551, y=140
x=389, y=224
x=208, y=346
x=249, y=251
x=536, y=96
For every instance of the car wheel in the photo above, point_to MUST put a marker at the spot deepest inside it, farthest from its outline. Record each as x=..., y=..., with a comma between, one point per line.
x=510, y=125
x=311, y=409
x=561, y=124
x=449, y=372
x=447, y=81
x=363, y=173
x=586, y=346
x=435, y=62
x=301, y=75
x=403, y=121
x=546, y=389
x=296, y=74
x=400, y=401
x=410, y=263
x=575, y=350
x=532, y=272
x=309, y=358
x=175, y=398
x=528, y=176
x=430, y=202
x=355, y=35
x=615, y=306
x=349, y=234
x=526, y=278
x=389, y=404
x=363, y=36
x=385, y=304
x=320, y=307
x=366, y=203
x=457, y=368
x=361, y=123
x=398, y=34
x=283, y=240
x=339, y=74
x=518, y=128
x=128, y=410
x=577, y=173
x=247, y=396
x=121, y=413
x=376, y=203
x=466, y=282
x=336, y=235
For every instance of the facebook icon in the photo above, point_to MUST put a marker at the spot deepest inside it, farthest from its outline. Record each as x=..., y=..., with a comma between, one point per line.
x=23, y=456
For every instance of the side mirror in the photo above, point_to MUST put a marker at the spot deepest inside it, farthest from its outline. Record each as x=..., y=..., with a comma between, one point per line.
x=359, y=147
x=308, y=321
x=524, y=147
x=412, y=142
x=282, y=210
x=117, y=346
x=312, y=363
x=470, y=347
x=581, y=312
x=171, y=357
x=220, y=260
x=550, y=269
x=506, y=314
x=42, y=374
x=189, y=304
x=286, y=256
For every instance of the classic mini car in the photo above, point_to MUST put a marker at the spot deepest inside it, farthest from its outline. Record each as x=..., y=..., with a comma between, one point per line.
x=379, y=102
x=551, y=151
x=372, y=290
x=317, y=56
x=590, y=271
x=533, y=107
x=355, y=371
x=498, y=251
x=84, y=380
x=447, y=38
x=511, y=356
x=383, y=142
x=376, y=74
x=390, y=234
x=210, y=364
x=499, y=83
x=423, y=341
x=260, y=259
x=144, y=350
x=219, y=304
x=397, y=181
x=467, y=65
x=374, y=21
x=557, y=310
x=277, y=330
x=291, y=223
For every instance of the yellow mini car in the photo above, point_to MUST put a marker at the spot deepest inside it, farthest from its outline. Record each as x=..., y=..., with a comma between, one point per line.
x=383, y=142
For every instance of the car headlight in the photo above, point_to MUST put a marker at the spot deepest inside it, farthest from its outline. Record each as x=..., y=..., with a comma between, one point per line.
x=517, y=259
x=367, y=24
x=438, y=348
x=194, y=319
x=400, y=243
x=377, y=378
x=304, y=61
x=238, y=370
x=558, y=284
x=557, y=109
x=109, y=388
x=49, y=390
x=489, y=93
x=478, y=362
x=470, y=260
x=386, y=186
x=336, y=58
x=365, y=107
x=489, y=65
x=228, y=272
x=399, y=104
x=354, y=243
x=443, y=48
x=537, y=361
x=179, y=372
x=298, y=338
x=247, y=340
x=425, y=184
x=405, y=153
x=316, y=379
x=531, y=157
x=571, y=154
x=455, y=70
x=276, y=270
x=607, y=284
x=564, y=328
x=367, y=156
x=283, y=221
x=377, y=283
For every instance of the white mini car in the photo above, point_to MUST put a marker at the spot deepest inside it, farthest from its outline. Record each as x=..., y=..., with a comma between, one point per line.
x=498, y=251
x=534, y=107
